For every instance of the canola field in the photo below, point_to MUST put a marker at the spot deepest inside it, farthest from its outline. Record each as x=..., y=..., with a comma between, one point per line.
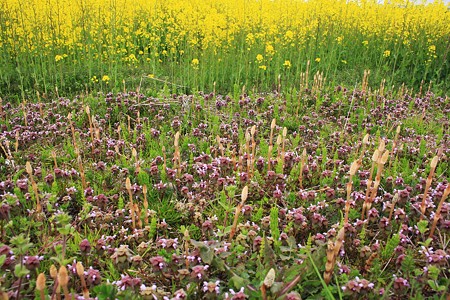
x=201, y=45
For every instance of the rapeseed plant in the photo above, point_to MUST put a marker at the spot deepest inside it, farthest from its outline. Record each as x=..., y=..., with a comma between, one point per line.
x=66, y=43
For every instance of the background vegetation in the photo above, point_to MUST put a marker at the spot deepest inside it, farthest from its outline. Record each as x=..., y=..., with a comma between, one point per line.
x=79, y=45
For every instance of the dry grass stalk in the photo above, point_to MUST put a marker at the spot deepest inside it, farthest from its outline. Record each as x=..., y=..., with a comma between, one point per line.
x=80, y=273
x=253, y=132
x=369, y=261
x=269, y=154
x=54, y=158
x=332, y=253
x=394, y=201
x=278, y=142
x=307, y=75
x=16, y=145
x=96, y=127
x=130, y=195
x=187, y=240
x=247, y=149
x=138, y=213
x=7, y=152
x=380, y=163
x=63, y=279
x=80, y=166
x=56, y=286
x=220, y=146
x=329, y=265
x=434, y=162
x=380, y=157
x=272, y=127
x=177, y=156
x=4, y=296
x=24, y=112
x=91, y=129
x=353, y=169
x=365, y=82
x=244, y=196
x=365, y=143
x=382, y=86
x=40, y=285
x=144, y=190
x=136, y=160
x=302, y=166
x=395, y=142
x=4, y=149
x=437, y=215
x=318, y=83
x=269, y=280
x=72, y=129
x=29, y=170
x=269, y=157
x=283, y=143
x=77, y=151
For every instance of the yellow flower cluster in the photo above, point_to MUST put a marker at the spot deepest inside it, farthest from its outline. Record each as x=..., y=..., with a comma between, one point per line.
x=190, y=32
x=162, y=29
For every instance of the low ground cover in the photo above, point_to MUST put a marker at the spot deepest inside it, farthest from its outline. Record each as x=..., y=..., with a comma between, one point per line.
x=322, y=193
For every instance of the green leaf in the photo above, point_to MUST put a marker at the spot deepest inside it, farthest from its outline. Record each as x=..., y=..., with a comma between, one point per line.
x=390, y=246
x=432, y=284
x=238, y=281
x=292, y=272
x=218, y=264
x=20, y=270
x=433, y=272
x=206, y=254
x=105, y=291
x=2, y=259
x=269, y=255
x=422, y=226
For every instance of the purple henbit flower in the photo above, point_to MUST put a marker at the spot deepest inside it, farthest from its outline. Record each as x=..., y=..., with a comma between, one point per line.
x=88, y=192
x=240, y=295
x=199, y=271
x=358, y=286
x=22, y=184
x=127, y=282
x=211, y=287
x=85, y=247
x=32, y=262
x=5, y=209
x=400, y=284
x=157, y=262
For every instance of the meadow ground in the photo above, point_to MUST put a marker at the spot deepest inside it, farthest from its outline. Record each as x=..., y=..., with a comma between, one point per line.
x=224, y=150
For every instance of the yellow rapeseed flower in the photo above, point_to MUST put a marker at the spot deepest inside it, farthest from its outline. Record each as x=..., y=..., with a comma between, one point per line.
x=386, y=53
x=287, y=64
x=317, y=59
x=195, y=62
x=270, y=50
x=58, y=57
x=105, y=78
x=259, y=58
